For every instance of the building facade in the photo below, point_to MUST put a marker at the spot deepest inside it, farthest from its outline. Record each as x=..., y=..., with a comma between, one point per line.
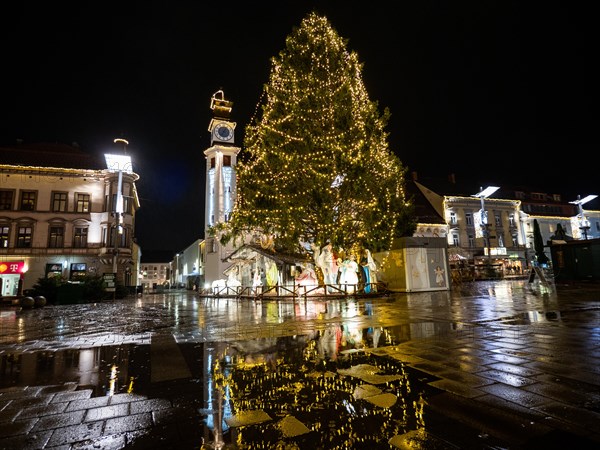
x=497, y=231
x=187, y=268
x=154, y=275
x=65, y=213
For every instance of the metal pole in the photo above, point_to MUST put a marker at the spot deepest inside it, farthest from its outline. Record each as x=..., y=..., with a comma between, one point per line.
x=117, y=226
x=486, y=236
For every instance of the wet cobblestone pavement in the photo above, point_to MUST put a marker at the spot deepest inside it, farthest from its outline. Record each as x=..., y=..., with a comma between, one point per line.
x=487, y=365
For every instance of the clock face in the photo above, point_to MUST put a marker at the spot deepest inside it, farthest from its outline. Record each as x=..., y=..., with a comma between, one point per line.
x=223, y=132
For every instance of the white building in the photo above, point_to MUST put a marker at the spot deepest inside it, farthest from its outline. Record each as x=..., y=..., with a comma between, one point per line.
x=506, y=240
x=155, y=275
x=221, y=158
x=64, y=213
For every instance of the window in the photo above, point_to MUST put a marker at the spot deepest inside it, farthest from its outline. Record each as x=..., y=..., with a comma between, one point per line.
x=108, y=237
x=82, y=203
x=455, y=239
x=497, y=218
x=469, y=218
x=212, y=163
x=80, y=236
x=453, y=218
x=127, y=205
x=6, y=200
x=500, y=241
x=27, y=200
x=4, y=235
x=226, y=160
x=56, y=236
x=59, y=202
x=211, y=245
x=113, y=203
x=124, y=238
x=78, y=271
x=471, y=241
x=511, y=220
x=110, y=203
x=24, y=236
x=54, y=270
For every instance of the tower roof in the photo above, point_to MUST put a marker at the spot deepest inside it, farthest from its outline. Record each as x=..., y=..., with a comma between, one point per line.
x=221, y=107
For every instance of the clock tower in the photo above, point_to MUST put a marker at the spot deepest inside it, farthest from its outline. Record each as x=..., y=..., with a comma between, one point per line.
x=221, y=158
x=221, y=127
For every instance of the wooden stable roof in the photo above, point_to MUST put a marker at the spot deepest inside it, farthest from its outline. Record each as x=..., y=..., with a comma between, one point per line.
x=247, y=251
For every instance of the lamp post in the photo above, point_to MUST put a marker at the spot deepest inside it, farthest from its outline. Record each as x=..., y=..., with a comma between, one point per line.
x=118, y=163
x=584, y=224
x=483, y=194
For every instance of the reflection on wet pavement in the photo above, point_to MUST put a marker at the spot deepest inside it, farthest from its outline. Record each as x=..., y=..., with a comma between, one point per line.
x=301, y=378
x=309, y=373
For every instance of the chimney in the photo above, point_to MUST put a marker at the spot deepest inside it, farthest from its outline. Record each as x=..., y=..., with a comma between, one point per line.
x=452, y=178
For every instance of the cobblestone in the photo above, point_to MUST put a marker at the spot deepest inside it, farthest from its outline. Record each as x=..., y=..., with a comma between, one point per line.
x=510, y=364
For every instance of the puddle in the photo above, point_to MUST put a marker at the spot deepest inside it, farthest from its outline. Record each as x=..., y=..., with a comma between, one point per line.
x=323, y=390
x=532, y=317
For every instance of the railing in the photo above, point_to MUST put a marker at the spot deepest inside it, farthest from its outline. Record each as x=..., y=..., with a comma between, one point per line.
x=304, y=291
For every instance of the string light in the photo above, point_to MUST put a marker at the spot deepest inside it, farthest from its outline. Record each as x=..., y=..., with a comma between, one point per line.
x=314, y=122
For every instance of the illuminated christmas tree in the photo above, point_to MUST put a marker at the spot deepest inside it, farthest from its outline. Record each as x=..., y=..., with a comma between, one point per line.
x=316, y=164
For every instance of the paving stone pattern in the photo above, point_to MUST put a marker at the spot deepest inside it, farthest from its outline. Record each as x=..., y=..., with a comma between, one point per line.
x=514, y=365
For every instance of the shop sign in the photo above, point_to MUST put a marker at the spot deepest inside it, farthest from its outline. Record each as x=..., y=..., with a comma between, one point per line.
x=15, y=267
x=110, y=281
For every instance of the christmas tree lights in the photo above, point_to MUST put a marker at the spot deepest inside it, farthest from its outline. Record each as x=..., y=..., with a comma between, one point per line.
x=316, y=165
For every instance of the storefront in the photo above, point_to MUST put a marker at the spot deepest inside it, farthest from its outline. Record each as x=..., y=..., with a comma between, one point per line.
x=11, y=277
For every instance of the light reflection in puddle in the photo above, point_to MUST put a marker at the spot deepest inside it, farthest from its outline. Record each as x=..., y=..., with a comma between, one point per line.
x=532, y=317
x=298, y=382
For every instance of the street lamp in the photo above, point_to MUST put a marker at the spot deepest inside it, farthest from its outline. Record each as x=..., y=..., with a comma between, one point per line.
x=483, y=194
x=118, y=163
x=584, y=224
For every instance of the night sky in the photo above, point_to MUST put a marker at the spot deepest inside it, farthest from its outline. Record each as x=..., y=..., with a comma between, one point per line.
x=500, y=90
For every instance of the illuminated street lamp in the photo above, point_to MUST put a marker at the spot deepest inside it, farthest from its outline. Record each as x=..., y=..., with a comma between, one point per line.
x=483, y=194
x=584, y=224
x=118, y=164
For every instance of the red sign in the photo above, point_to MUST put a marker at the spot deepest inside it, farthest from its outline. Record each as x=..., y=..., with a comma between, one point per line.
x=15, y=267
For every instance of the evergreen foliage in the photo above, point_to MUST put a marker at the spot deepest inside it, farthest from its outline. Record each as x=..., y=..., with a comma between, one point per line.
x=47, y=287
x=316, y=164
x=92, y=289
